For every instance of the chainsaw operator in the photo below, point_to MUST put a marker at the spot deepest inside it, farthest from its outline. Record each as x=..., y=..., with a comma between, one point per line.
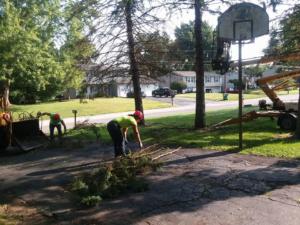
x=55, y=122
x=118, y=128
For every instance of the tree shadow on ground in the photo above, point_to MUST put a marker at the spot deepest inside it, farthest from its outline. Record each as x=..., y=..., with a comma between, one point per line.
x=186, y=184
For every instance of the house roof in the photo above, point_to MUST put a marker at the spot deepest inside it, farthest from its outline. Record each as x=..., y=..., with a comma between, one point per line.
x=192, y=73
x=119, y=80
x=101, y=74
x=184, y=73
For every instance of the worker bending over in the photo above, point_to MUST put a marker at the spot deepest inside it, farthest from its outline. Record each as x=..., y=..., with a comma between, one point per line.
x=118, y=128
x=55, y=122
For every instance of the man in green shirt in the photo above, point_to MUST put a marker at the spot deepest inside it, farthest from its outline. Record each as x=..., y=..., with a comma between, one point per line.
x=55, y=122
x=118, y=128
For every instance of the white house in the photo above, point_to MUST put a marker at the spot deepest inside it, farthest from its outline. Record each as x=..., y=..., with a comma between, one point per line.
x=118, y=86
x=213, y=81
x=233, y=75
x=102, y=81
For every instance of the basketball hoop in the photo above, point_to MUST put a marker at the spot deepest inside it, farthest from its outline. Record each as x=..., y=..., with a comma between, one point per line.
x=242, y=23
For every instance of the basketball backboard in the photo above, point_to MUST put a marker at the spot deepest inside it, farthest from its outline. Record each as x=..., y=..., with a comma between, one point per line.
x=244, y=21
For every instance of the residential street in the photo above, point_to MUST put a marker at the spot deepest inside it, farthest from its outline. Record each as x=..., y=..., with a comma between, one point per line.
x=181, y=106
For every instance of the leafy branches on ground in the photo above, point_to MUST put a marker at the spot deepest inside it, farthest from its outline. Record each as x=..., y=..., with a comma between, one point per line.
x=112, y=179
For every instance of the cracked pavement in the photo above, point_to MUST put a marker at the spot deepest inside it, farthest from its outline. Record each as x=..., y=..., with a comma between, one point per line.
x=194, y=187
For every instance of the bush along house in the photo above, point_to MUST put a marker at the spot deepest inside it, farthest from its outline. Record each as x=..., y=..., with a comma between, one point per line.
x=213, y=81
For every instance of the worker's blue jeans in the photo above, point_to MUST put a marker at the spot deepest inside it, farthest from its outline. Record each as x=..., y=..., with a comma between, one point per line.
x=115, y=132
x=52, y=127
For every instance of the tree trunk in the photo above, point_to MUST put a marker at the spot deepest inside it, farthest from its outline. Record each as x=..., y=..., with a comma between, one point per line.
x=200, y=95
x=297, y=133
x=133, y=64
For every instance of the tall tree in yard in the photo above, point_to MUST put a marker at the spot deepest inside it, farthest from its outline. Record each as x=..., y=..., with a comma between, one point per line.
x=77, y=50
x=200, y=96
x=116, y=30
x=153, y=54
x=134, y=72
x=199, y=7
x=183, y=48
x=28, y=58
x=40, y=48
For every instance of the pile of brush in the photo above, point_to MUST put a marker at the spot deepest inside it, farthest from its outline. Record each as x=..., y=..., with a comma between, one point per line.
x=119, y=176
x=154, y=152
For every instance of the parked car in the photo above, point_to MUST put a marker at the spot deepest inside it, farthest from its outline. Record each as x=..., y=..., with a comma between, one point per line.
x=163, y=92
x=130, y=94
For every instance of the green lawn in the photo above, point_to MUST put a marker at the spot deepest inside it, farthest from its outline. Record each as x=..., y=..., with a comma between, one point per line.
x=261, y=137
x=92, y=107
x=252, y=94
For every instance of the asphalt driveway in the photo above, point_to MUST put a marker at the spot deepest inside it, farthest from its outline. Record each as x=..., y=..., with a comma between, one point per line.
x=193, y=187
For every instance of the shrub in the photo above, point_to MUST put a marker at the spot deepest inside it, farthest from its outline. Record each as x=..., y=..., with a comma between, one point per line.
x=178, y=86
x=91, y=200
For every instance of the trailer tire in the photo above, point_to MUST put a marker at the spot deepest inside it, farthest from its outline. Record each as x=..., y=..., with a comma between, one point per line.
x=287, y=121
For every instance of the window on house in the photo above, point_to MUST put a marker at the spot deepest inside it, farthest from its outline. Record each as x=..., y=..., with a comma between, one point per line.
x=217, y=79
x=207, y=79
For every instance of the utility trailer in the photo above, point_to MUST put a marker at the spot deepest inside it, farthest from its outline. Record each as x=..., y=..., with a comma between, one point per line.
x=25, y=135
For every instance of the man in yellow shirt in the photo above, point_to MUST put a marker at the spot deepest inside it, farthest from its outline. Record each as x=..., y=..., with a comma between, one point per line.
x=118, y=128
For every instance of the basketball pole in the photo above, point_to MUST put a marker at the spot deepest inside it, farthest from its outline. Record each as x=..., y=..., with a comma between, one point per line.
x=240, y=97
x=245, y=27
